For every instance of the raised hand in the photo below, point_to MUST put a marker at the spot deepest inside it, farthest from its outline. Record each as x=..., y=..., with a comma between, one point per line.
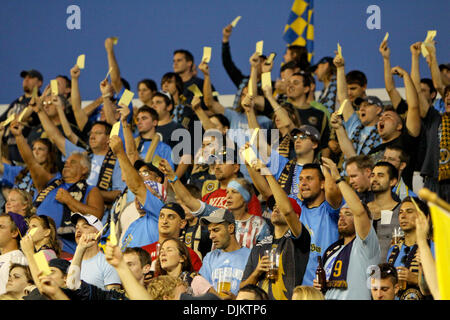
x=75, y=72
x=116, y=145
x=166, y=169
x=226, y=33
x=384, y=50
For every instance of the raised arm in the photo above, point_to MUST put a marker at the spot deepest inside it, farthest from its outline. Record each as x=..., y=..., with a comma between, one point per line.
x=201, y=114
x=233, y=72
x=113, y=65
x=413, y=122
x=68, y=132
x=108, y=107
x=389, y=83
x=434, y=69
x=132, y=178
x=49, y=127
x=178, y=187
x=415, y=77
x=259, y=181
x=285, y=123
x=333, y=194
x=39, y=174
x=360, y=216
x=80, y=116
x=212, y=104
x=130, y=144
x=344, y=141
x=341, y=85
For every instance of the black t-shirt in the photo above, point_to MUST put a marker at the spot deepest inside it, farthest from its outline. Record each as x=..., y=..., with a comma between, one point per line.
x=292, y=263
x=197, y=239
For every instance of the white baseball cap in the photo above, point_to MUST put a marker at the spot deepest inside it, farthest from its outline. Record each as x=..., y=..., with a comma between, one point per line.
x=90, y=219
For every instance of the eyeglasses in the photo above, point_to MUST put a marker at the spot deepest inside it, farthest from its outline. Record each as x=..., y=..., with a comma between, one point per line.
x=300, y=136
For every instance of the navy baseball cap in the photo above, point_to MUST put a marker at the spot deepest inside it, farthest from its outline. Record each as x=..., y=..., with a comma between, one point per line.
x=310, y=131
x=372, y=100
x=323, y=60
x=32, y=73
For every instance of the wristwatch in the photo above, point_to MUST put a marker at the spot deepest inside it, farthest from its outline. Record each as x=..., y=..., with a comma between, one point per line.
x=340, y=180
x=174, y=179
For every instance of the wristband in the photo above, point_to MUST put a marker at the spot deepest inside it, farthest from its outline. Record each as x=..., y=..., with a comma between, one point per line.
x=340, y=180
x=174, y=179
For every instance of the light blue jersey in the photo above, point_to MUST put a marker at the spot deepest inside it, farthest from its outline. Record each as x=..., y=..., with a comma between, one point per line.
x=230, y=265
x=321, y=222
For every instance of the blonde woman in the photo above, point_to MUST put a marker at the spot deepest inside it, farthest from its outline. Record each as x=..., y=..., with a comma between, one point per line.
x=307, y=293
x=20, y=202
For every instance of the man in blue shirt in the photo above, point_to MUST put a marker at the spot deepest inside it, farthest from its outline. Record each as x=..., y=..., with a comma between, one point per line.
x=224, y=267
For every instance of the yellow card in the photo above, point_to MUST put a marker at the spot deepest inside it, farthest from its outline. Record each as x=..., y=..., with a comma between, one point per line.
x=266, y=79
x=109, y=71
x=156, y=160
x=430, y=37
x=126, y=98
x=250, y=87
x=270, y=58
x=112, y=233
x=34, y=93
x=9, y=120
x=254, y=135
x=235, y=21
x=249, y=155
x=42, y=263
x=341, y=108
x=339, y=50
x=259, y=47
x=386, y=36
x=215, y=93
x=23, y=113
x=80, y=61
x=32, y=231
x=100, y=232
x=54, y=86
x=195, y=90
x=115, y=39
x=206, y=54
x=115, y=129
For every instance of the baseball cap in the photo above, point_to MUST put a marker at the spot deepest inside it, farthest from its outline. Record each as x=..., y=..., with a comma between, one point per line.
x=218, y=216
x=61, y=264
x=271, y=202
x=310, y=131
x=32, y=73
x=20, y=222
x=90, y=219
x=323, y=60
x=140, y=163
x=176, y=208
x=372, y=100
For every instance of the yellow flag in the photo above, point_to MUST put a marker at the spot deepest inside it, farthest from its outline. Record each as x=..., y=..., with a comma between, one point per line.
x=441, y=227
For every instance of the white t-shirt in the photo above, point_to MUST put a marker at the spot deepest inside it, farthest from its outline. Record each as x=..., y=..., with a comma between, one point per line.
x=6, y=260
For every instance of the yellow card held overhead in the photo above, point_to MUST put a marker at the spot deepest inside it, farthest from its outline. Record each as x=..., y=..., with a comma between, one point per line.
x=42, y=263
x=339, y=50
x=386, y=36
x=249, y=156
x=266, y=79
x=195, y=90
x=80, y=61
x=112, y=233
x=430, y=37
x=259, y=47
x=254, y=135
x=341, y=108
x=115, y=129
x=269, y=60
x=235, y=21
x=115, y=40
x=23, y=113
x=126, y=98
x=206, y=54
x=34, y=93
x=54, y=87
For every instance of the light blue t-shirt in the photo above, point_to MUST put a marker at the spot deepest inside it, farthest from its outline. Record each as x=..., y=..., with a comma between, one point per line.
x=402, y=253
x=96, y=165
x=144, y=230
x=98, y=272
x=364, y=254
x=321, y=222
x=231, y=265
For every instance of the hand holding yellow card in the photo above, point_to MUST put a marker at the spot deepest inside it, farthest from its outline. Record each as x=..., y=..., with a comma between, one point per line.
x=42, y=263
x=206, y=54
x=430, y=37
x=235, y=21
x=195, y=90
x=54, y=87
x=80, y=61
x=115, y=40
x=115, y=129
x=22, y=114
x=386, y=36
x=259, y=47
x=126, y=98
x=270, y=58
x=249, y=156
x=9, y=120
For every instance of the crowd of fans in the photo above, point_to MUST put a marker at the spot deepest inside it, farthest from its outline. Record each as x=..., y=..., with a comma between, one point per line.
x=285, y=195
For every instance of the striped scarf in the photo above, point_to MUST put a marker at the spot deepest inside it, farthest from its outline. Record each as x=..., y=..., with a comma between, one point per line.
x=444, y=159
